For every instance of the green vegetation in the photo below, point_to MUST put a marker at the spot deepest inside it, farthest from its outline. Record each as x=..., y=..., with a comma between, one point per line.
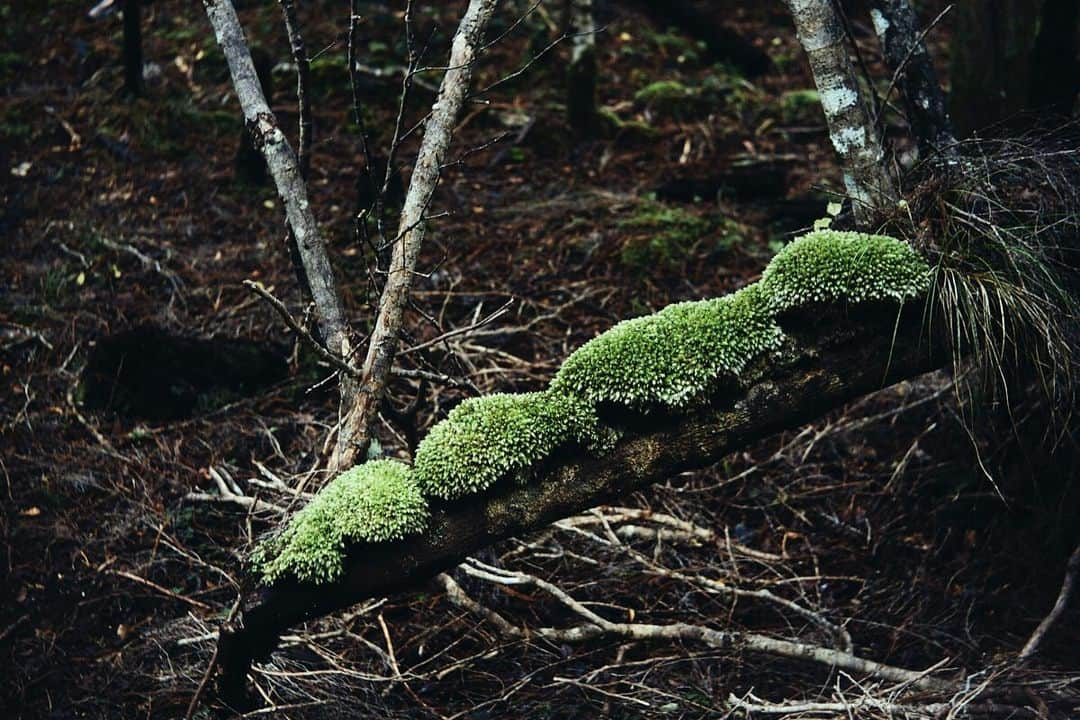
x=374, y=502
x=828, y=266
x=671, y=358
x=669, y=98
x=800, y=104
x=661, y=235
x=485, y=439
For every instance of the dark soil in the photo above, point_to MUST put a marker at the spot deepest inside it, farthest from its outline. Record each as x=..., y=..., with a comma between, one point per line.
x=125, y=229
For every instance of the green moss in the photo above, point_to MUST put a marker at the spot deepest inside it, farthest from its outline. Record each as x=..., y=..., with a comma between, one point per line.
x=665, y=236
x=674, y=357
x=670, y=98
x=485, y=439
x=374, y=502
x=830, y=266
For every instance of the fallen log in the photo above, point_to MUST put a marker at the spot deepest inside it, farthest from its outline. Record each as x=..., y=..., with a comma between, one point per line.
x=830, y=356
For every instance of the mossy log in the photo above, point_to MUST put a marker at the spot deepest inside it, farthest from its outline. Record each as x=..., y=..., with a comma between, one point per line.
x=830, y=356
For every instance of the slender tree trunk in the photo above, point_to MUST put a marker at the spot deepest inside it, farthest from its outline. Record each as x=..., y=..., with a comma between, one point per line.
x=905, y=53
x=285, y=169
x=1055, y=69
x=851, y=126
x=249, y=164
x=581, y=72
x=133, y=58
x=354, y=435
x=991, y=61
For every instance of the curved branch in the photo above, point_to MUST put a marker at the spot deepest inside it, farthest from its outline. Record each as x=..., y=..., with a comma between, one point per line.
x=830, y=358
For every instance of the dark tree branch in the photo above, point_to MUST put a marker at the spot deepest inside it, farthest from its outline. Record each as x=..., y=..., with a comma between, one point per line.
x=303, y=74
x=133, y=57
x=830, y=359
x=905, y=53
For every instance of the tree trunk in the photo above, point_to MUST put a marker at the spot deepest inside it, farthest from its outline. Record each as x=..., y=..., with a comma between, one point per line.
x=581, y=72
x=354, y=435
x=897, y=28
x=991, y=61
x=285, y=169
x=133, y=58
x=832, y=357
x=1055, y=68
x=851, y=126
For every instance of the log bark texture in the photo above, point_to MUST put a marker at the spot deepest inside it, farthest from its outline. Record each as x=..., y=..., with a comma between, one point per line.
x=851, y=125
x=830, y=358
x=354, y=434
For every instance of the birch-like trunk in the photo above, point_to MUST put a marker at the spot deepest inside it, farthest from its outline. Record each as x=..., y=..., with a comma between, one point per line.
x=897, y=28
x=355, y=432
x=285, y=169
x=581, y=73
x=851, y=125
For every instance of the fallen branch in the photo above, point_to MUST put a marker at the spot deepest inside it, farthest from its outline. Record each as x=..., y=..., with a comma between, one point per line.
x=597, y=626
x=829, y=359
x=1072, y=569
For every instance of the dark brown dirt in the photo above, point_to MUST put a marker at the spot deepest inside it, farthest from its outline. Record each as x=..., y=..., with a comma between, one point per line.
x=120, y=213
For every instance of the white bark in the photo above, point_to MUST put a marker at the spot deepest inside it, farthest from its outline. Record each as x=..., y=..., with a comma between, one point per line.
x=851, y=125
x=284, y=168
x=353, y=437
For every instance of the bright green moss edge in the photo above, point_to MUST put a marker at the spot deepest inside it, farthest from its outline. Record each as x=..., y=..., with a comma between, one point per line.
x=670, y=359
x=673, y=357
x=485, y=439
x=830, y=266
x=374, y=502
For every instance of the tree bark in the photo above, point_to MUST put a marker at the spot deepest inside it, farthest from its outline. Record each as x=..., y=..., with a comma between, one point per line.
x=851, y=126
x=133, y=57
x=354, y=434
x=581, y=72
x=830, y=358
x=1055, y=69
x=897, y=28
x=285, y=169
x=991, y=61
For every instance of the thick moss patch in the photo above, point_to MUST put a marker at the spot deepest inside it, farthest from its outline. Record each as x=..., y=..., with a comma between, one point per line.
x=374, y=502
x=830, y=266
x=671, y=360
x=673, y=357
x=484, y=439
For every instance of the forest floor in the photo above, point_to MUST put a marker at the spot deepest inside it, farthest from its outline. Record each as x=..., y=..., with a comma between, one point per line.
x=124, y=213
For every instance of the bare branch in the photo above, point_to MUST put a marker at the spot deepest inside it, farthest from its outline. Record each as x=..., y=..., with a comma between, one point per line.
x=354, y=435
x=286, y=171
